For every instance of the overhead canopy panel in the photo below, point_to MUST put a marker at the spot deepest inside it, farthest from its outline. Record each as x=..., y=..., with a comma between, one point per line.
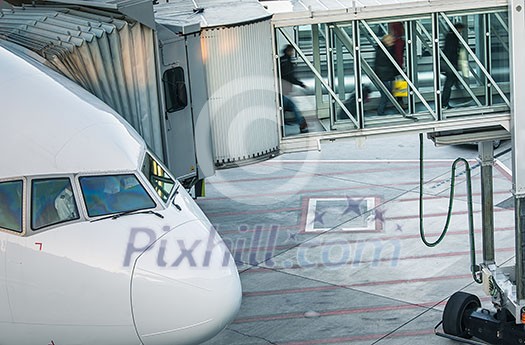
x=139, y=10
x=317, y=11
x=209, y=13
x=347, y=5
x=326, y=5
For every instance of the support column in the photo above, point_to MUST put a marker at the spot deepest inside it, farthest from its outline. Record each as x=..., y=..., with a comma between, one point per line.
x=486, y=157
x=488, y=56
x=520, y=248
x=340, y=69
x=357, y=73
x=317, y=64
x=517, y=70
x=329, y=42
x=412, y=66
x=436, y=65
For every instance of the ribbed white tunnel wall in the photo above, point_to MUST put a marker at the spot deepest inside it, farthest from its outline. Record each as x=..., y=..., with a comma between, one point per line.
x=241, y=88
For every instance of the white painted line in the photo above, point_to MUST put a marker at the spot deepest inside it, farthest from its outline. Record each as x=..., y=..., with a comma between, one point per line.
x=503, y=168
x=312, y=212
x=362, y=161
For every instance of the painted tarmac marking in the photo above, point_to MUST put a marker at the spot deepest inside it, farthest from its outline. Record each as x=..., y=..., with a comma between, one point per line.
x=366, y=337
x=368, y=203
x=413, y=161
x=385, y=238
x=347, y=286
x=300, y=174
x=305, y=205
x=350, y=311
x=333, y=312
x=303, y=192
x=378, y=260
x=303, y=219
x=226, y=214
x=312, y=191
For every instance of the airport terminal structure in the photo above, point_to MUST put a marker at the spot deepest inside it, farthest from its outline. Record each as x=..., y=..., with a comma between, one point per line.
x=213, y=85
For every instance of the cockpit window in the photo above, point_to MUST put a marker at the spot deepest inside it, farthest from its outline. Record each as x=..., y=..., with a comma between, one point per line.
x=52, y=202
x=158, y=177
x=110, y=194
x=11, y=205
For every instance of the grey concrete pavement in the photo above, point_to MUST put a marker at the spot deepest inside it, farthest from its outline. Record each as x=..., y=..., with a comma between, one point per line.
x=328, y=246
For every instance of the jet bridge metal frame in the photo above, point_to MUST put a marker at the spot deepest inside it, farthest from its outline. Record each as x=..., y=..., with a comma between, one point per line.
x=517, y=30
x=325, y=26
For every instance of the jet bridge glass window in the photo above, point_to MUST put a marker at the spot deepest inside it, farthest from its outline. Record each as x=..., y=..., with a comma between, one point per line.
x=175, y=89
x=11, y=205
x=347, y=75
x=52, y=202
x=111, y=194
x=158, y=177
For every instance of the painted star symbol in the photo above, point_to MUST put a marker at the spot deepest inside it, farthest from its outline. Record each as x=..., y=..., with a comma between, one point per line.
x=399, y=228
x=379, y=215
x=319, y=217
x=292, y=236
x=352, y=206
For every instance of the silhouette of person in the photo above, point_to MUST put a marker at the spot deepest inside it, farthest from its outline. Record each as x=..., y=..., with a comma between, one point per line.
x=451, y=51
x=397, y=30
x=385, y=70
x=288, y=80
x=65, y=205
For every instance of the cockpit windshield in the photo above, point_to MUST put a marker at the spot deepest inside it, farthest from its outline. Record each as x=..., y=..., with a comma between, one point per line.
x=11, y=205
x=109, y=194
x=158, y=177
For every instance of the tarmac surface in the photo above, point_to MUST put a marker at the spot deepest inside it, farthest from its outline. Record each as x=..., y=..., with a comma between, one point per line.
x=328, y=246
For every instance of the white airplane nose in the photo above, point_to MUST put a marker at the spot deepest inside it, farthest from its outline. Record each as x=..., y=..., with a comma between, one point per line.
x=185, y=287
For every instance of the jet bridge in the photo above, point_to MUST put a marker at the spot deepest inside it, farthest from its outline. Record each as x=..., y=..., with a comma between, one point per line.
x=335, y=44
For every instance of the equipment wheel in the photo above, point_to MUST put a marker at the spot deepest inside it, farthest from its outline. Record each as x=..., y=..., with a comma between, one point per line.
x=458, y=307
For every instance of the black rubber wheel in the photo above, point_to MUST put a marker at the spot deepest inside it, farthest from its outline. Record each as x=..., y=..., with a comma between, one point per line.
x=458, y=307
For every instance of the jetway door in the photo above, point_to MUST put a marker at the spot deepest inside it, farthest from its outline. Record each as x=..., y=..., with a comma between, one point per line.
x=178, y=118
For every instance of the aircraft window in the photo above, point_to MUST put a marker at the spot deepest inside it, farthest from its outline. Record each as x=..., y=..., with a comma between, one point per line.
x=158, y=177
x=11, y=205
x=175, y=89
x=114, y=194
x=52, y=202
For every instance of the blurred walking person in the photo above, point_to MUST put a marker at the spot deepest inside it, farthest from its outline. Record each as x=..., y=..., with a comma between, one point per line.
x=451, y=51
x=385, y=70
x=289, y=79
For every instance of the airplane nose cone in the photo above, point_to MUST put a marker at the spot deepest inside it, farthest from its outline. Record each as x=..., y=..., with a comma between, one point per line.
x=185, y=287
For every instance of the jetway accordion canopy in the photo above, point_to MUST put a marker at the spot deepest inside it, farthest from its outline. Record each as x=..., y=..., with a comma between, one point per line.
x=98, y=49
